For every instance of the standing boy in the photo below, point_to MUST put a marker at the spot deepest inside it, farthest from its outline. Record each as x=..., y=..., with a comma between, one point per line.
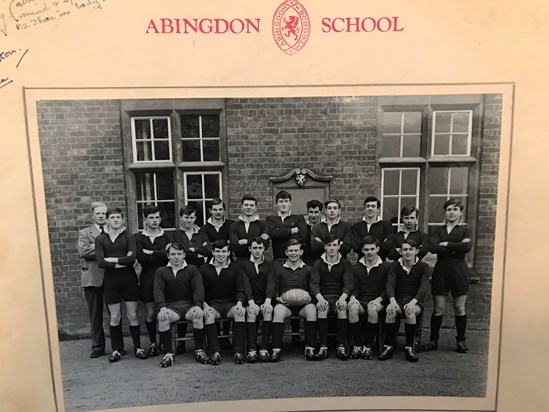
x=246, y=227
x=371, y=224
x=217, y=226
x=332, y=225
x=314, y=216
x=409, y=230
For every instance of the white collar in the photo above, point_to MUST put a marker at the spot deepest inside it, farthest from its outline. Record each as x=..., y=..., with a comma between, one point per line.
x=324, y=256
x=289, y=267
x=401, y=229
x=401, y=261
x=182, y=266
x=252, y=219
x=376, y=264
x=194, y=229
x=283, y=217
x=144, y=232
x=210, y=221
x=364, y=220
x=332, y=224
x=106, y=228
x=212, y=261
x=322, y=220
x=257, y=263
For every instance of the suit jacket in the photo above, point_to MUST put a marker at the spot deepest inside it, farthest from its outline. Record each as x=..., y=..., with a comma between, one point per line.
x=92, y=275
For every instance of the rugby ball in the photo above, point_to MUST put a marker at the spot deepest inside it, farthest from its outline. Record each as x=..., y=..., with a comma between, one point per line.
x=296, y=297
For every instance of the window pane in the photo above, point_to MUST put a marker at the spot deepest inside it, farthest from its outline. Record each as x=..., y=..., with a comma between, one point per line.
x=391, y=146
x=161, y=150
x=160, y=128
x=442, y=122
x=210, y=125
x=390, y=209
x=412, y=122
x=459, y=144
x=212, y=186
x=436, y=212
x=142, y=129
x=459, y=180
x=145, y=187
x=438, y=180
x=390, y=182
x=144, y=151
x=167, y=211
x=408, y=201
x=411, y=144
x=165, y=185
x=461, y=122
x=191, y=150
x=392, y=122
x=194, y=187
x=211, y=150
x=409, y=182
x=442, y=145
x=199, y=212
x=189, y=126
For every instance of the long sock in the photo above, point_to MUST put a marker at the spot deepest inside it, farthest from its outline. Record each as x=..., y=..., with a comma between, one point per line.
x=166, y=340
x=278, y=332
x=211, y=334
x=251, y=335
x=310, y=333
x=151, y=331
x=371, y=330
x=181, y=330
x=342, y=331
x=135, y=331
x=390, y=334
x=266, y=333
x=436, y=322
x=239, y=336
x=461, y=325
x=356, y=332
x=323, y=331
x=117, y=340
x=198, y=336
x=410, y=331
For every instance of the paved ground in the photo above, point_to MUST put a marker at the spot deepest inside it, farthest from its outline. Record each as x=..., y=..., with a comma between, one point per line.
x=97, y=384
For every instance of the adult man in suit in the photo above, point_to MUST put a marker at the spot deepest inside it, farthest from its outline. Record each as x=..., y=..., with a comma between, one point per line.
x=92, y=276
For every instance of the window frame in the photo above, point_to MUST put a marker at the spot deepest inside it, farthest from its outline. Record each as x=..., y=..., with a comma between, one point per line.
x=399, y=196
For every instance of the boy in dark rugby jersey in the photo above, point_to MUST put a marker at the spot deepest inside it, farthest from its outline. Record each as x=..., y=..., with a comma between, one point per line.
x=370, y=280
x=247, y=226
x=408, y=230
x=224, y=299
x=217, y=226
x=293, y=274
x=284, y=225
x=451, y=243
x=314, y=216
x=115, y=251
x=259, y=282
x=333, y=224
x=151, y=254
x=196, y=244
x=331, y=285
x=179, y=294
x=371, y=224
x=406, y=288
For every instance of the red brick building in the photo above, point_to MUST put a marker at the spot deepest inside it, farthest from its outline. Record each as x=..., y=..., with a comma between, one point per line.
x=407, y=150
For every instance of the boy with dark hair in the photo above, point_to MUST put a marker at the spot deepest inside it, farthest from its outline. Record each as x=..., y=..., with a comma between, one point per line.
x=92, y=276
x=331, y=285
x=371, y=224
x=115, y=250
x=224, y=299
x=259, y=282
x=451, y=243
x=293, y=274
x=406, y=288
x=217, y=226
x=247, y=226
x=188, y=234
x=370, y=280
x=179, y=294
x=332, y=225
x=151, y=254
x=284, y=226
x=408, y=230
x=314, y=216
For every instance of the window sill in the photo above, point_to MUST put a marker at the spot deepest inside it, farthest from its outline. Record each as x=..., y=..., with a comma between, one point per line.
x=151, y=165
x=201, y=165
x=402, y=160
x=452, y=159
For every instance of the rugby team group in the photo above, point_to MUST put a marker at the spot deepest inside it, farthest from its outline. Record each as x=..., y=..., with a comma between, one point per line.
x=219, y=271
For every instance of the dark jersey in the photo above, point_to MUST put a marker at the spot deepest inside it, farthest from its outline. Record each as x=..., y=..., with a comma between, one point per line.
x=405, y=286
x=372, y=284
x=123, y=248
x=287, y=279
x=341, y=229
x=309, y=255
x=381, y=230
x=238, y=231
x=396, y=239
x=456, y=249
x=227, y=285
x=212, y=233
x=332, y=281
x=280, y=231
x=149, y=263
x=198, y=242
x=258, y=285
x=185, y=286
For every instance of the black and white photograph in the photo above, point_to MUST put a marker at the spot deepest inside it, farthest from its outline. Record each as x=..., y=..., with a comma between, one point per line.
x=273, y=248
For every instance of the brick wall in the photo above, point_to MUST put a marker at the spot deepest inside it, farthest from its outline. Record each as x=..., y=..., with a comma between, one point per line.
x=81, y=150
x=82, y=158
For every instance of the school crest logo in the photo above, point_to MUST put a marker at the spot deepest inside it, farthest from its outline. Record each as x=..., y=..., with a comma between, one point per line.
x=291, y=27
